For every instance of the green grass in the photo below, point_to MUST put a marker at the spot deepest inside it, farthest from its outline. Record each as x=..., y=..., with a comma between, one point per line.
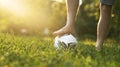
x=26, y=51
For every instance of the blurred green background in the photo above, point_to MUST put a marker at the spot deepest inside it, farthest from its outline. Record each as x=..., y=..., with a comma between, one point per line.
x=42, y=17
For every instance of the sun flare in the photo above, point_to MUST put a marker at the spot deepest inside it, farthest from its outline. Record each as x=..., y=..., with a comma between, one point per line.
x=14, y=6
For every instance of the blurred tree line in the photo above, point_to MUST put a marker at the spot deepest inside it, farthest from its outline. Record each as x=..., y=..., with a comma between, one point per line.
x=51, y=14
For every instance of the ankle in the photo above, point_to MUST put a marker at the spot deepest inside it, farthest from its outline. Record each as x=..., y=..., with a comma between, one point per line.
x=99, y=44
x=72, y=24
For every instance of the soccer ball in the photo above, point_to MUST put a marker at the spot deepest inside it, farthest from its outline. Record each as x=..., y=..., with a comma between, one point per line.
x=65, y=41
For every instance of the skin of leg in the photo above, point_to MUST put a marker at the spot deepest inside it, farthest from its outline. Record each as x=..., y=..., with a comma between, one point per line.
x=103, y=24
x=69, y=28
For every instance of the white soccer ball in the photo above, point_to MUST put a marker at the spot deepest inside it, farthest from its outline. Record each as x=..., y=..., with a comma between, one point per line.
x=65, y=41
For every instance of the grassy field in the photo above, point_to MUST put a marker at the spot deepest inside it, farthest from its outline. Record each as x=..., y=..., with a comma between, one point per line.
x=28, y=51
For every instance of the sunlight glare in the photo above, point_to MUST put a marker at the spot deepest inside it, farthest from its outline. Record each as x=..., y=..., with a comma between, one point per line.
x=13, y=6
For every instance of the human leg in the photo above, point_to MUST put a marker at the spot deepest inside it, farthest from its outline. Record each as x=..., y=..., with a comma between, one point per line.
x=103, y=24
x=69, y=28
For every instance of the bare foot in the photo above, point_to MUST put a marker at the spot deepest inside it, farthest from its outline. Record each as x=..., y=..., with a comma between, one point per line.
x=99, y=45
x=65, y=30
